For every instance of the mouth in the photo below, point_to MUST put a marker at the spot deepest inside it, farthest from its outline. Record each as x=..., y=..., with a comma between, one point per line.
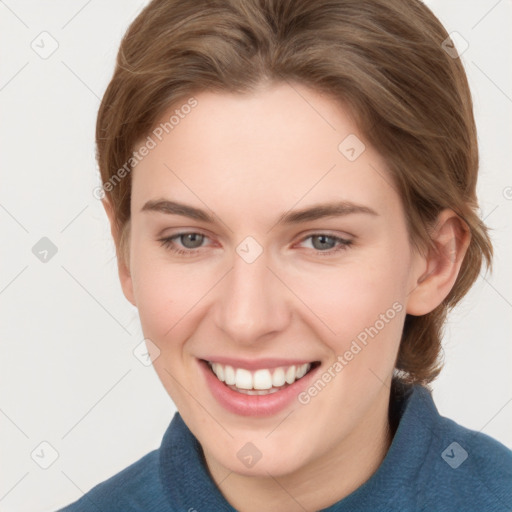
x=263, y=381
x=257, y=388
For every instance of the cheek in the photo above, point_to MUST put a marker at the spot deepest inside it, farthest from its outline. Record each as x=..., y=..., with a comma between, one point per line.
x=166, y=294
x=361, y=301
x=170, y=301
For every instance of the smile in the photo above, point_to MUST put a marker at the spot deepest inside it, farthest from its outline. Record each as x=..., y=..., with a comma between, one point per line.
x=263, y=381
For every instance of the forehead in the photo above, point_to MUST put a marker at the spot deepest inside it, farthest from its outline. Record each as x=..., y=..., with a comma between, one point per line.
x=283, y=144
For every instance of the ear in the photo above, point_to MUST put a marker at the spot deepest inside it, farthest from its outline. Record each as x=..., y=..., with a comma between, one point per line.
x=123, y=265
x=439, y=267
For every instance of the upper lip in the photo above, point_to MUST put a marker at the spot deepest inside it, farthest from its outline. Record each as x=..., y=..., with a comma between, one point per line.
x=257, y=364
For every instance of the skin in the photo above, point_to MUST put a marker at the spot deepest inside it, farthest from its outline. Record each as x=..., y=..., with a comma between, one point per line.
x=246, y=160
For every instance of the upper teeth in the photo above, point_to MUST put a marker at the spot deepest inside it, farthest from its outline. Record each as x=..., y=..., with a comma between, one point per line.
x=259, y=379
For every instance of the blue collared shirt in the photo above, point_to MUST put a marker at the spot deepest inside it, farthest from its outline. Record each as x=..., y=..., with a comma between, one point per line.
x=433, y=464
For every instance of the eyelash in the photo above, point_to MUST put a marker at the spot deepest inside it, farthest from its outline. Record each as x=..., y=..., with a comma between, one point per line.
x=342, y=244
x=169, y=243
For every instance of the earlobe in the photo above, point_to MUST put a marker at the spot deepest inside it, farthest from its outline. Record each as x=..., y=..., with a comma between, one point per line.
x=122, y=253
x=441, y=264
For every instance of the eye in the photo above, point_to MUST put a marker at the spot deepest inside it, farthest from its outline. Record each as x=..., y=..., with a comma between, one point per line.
x=191, y=240
x=184, y=243
x=322, y=242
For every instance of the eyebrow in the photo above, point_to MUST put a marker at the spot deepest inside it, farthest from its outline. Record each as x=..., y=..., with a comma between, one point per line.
x=315, y=212
x=175, y=208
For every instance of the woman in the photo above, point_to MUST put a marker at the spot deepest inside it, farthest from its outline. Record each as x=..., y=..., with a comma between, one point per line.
x=291, y=188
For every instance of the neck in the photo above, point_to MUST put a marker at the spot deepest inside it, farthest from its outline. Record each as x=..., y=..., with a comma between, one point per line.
x=324, y=481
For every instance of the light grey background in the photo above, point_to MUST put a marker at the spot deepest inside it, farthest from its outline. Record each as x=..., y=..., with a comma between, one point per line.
x=68, y=373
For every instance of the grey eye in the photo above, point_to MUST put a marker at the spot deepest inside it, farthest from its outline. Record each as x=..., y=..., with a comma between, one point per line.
x=191, y=240
x=323, y=242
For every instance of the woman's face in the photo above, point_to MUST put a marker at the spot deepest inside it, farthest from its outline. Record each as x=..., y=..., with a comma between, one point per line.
x=267, y=240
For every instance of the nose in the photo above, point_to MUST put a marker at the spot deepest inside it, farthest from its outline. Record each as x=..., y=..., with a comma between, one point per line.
x=251, y=304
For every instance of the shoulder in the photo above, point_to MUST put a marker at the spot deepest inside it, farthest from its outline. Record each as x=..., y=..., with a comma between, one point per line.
x=135, y=488
x=466, y=470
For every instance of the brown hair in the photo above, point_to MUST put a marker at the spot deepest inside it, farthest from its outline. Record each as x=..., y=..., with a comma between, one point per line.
x=383, y=58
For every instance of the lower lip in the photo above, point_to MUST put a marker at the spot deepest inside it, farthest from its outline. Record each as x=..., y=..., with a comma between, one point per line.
x=254, y=405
